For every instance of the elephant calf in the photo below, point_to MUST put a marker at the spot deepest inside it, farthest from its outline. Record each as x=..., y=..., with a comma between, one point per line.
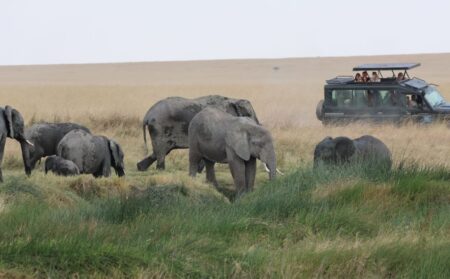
x=216, y=136
x=92, y=154
x=60, y=166
x=46, y=136
x=342, y=149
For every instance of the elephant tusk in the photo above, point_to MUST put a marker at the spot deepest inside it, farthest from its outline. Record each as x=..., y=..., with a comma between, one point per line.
x=29, y=142
x=280, y=172
x=266, y=168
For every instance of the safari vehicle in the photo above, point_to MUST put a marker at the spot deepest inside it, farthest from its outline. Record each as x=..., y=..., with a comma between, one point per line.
x=389, y=99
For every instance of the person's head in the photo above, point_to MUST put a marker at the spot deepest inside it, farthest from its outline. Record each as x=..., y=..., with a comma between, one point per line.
x=365, y=74
x=400, y=76
x=358, y=76
x=375, y=74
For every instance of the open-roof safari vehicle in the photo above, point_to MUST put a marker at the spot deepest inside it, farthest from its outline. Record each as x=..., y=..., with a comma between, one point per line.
x=396, y=98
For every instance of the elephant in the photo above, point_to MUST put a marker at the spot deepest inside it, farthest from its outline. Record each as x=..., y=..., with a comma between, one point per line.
x=12, y=126
x=168, y=120
x=46, y=136
x=60, y=166
x=217, y=136
x=92, y=154
x=342, y=150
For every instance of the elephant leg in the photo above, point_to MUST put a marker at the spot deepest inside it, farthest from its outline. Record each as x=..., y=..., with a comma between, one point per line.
x=250, y=173
x=210, y=172
x=237, y=168
x=161, y=158
x=194, y=162
x=201, y=166
x=37, y=155
x=146, y=162
x=2, y=149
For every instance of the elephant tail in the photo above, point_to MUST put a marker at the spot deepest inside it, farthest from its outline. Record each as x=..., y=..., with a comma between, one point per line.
x=145, y=135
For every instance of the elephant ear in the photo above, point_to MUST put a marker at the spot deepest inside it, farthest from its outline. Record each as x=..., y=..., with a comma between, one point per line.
x=345, y=148
x=232, y=109
x=238, y=142
x=9, y=119
x=114, y=149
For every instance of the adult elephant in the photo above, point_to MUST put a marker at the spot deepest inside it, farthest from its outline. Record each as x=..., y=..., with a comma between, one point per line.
x=12, y=126
x=46, y=136
x=92, y=154
x=368, y=149
x=216, y=136
x=168, y=120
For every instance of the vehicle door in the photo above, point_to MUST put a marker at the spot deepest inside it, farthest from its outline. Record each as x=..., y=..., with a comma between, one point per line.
x=389, y=104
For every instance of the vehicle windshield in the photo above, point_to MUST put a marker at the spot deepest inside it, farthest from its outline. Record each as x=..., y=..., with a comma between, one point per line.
x=433, y=97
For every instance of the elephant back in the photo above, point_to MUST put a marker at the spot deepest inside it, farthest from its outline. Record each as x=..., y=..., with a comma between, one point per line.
x=80, y=147
x=370, y=148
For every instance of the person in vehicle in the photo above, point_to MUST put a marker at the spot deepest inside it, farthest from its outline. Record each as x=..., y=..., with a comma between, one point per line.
x=358, y=78
x=375, y=77
x=400, y=76
x=412, y=101
x=365, y=77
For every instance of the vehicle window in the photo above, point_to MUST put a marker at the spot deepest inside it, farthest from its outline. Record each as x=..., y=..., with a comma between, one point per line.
x=414, y=101
x=386, y=98
x=357, y=98
x=433, y=96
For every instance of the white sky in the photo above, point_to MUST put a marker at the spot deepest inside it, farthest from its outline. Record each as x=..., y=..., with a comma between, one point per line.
x=89, y=31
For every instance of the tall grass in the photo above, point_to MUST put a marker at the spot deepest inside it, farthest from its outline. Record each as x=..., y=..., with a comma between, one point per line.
x=335, y=223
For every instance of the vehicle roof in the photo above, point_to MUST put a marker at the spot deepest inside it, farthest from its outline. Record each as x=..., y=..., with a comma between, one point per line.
x=386, y=66
x=347, y=81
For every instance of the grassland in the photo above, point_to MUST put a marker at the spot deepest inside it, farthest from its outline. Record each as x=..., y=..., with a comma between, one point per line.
x=333, y=223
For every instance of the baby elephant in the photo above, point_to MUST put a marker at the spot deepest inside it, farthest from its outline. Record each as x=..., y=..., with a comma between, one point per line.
x=216, y=136
x=60, y=166
x=340, y=150
x=92, y=154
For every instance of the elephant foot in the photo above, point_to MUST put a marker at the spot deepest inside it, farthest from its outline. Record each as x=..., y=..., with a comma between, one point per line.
x=145, y=164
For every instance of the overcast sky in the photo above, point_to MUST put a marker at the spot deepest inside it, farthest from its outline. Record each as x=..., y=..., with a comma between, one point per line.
x=90, y=31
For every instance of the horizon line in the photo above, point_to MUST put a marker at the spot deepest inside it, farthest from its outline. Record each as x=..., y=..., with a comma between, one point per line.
x=220, y=59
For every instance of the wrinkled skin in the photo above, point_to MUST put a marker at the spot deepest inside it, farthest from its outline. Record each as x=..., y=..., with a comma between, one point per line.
x=45, y=138
x=342, y=150
x=12, y=126
x=92, y=154
x=60, y=166
x=168, y=120
x=216, y=136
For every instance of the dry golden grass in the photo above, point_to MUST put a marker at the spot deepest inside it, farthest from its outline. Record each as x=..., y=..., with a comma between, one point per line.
x=112, y=99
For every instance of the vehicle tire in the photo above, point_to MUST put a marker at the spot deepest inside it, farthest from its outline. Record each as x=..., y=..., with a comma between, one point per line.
x=319, y=110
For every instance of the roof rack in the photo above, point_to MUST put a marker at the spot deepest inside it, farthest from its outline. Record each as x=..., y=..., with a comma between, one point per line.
x=387, y=67
x=340, y=80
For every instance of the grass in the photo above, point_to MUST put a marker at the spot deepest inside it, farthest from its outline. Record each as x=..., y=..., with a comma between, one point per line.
x=301, y=225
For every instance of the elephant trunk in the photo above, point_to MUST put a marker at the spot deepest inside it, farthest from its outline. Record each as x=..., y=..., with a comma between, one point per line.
x=268, y=157
x=25, y=146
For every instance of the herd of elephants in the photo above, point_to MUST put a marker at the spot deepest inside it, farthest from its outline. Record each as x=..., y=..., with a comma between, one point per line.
x=216, y=129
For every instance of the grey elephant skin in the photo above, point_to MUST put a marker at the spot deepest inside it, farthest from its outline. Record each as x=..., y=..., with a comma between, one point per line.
x=45, y=138
x=216, y=136
x=168, y=120
x=92, y=154
x=12, y=126
x=60, y=166
x=340, y=150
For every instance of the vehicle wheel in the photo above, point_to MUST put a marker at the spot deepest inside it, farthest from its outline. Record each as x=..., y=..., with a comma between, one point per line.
x=319, y=110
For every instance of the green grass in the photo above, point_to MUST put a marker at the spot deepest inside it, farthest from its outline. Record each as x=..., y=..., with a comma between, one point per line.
x=352, y=222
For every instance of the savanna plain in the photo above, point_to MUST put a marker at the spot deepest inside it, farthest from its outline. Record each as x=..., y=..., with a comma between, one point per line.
x=335, y=223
